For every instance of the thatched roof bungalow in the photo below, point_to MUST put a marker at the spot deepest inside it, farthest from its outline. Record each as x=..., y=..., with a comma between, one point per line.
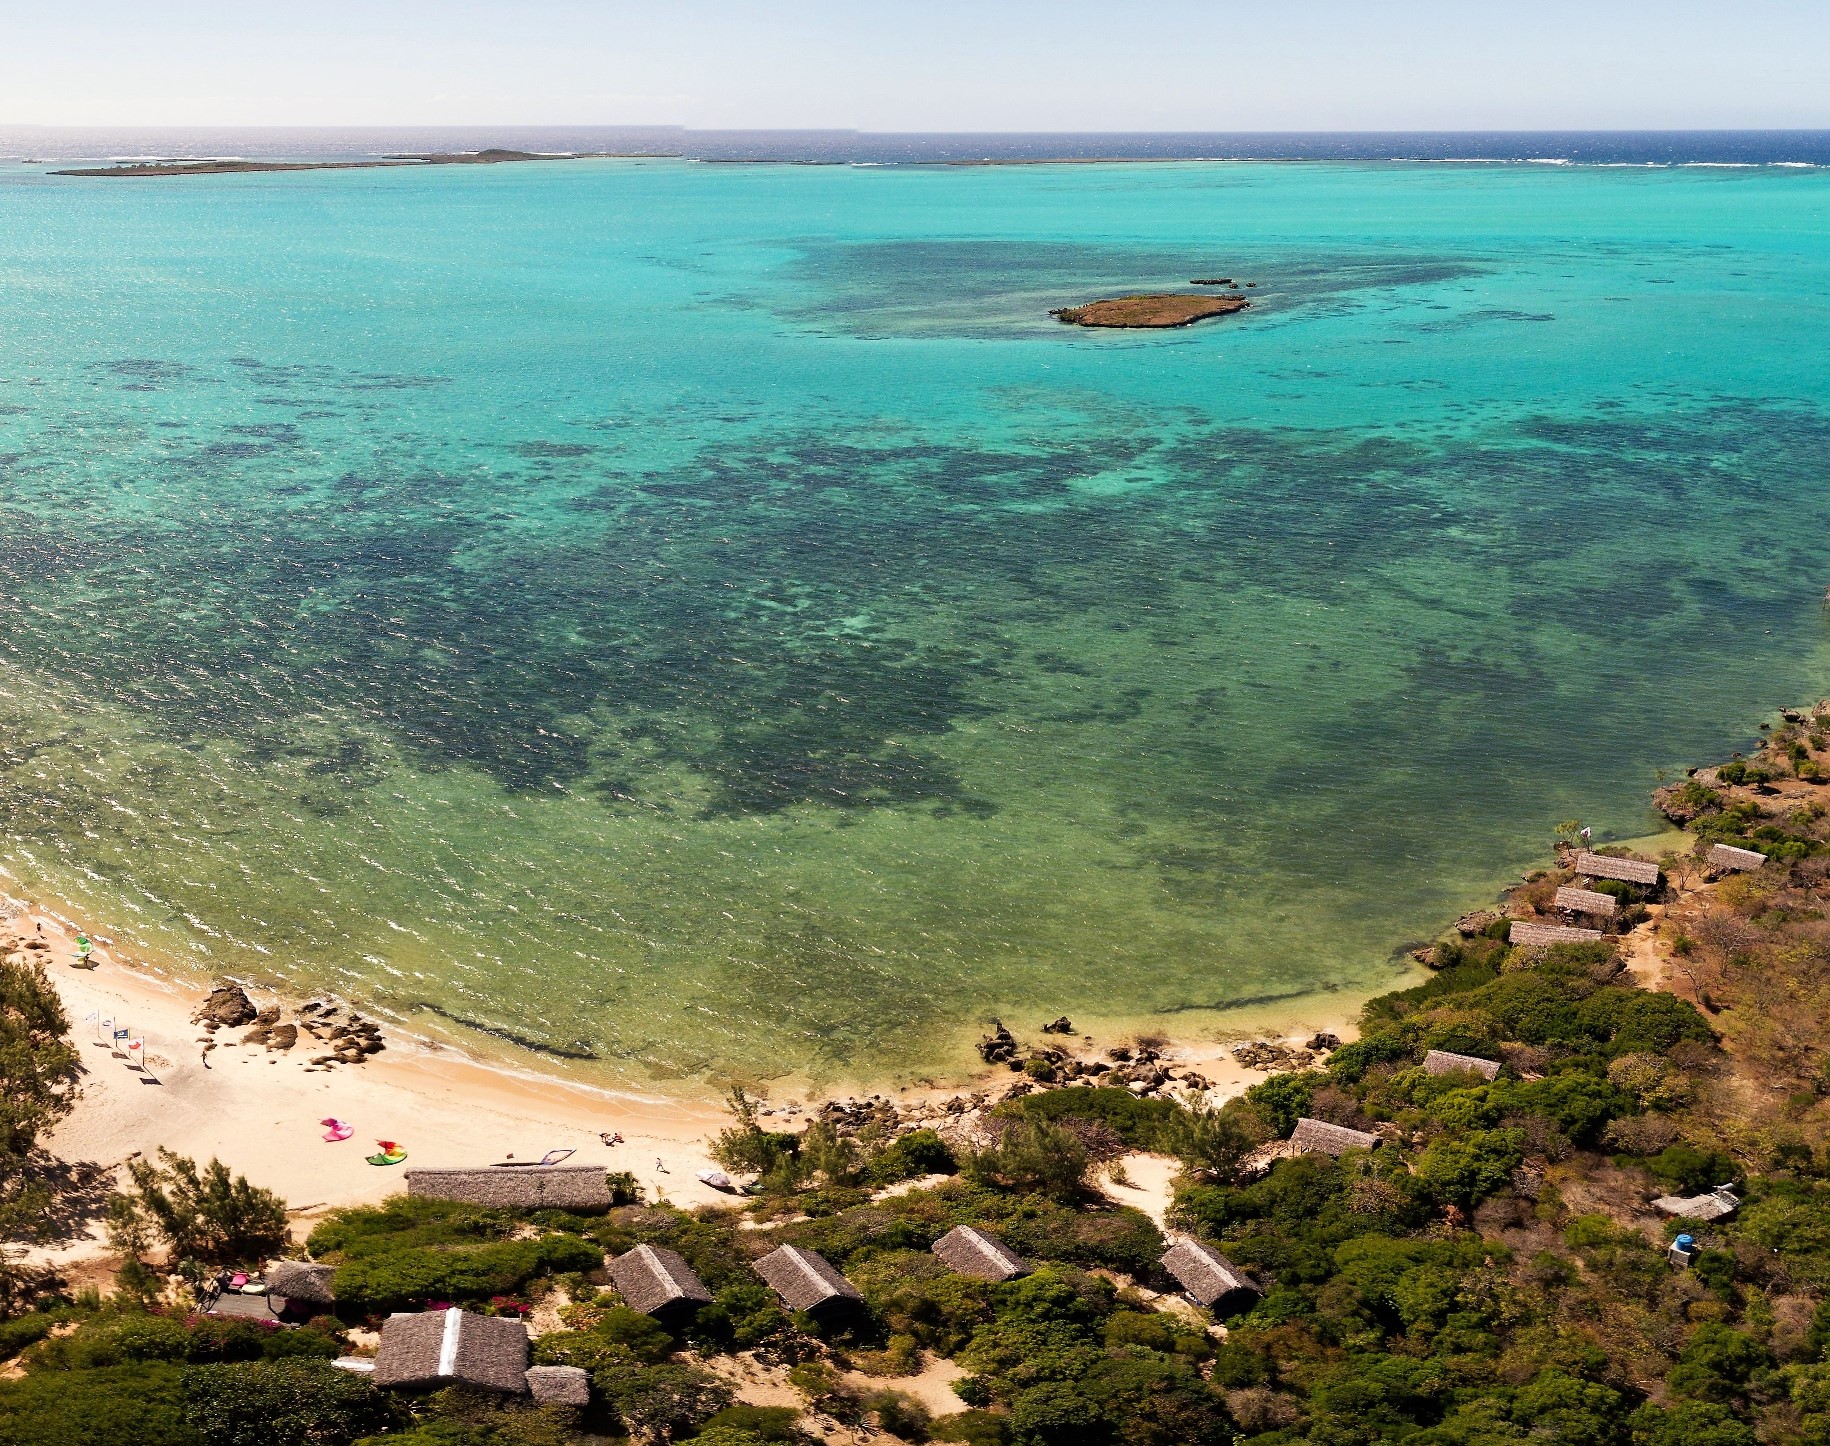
x=1730, y=859
x=533, y=1187
x=301, y=1282
x=1605, y=866
x=1536, y=936
x=559, y=1385
x=1587, y=901
x=1443, y=1061
x=972, y=1252
x=1209, y=1278
x=426, y=1349
x=654, y=1279
x=1318, y=1137
x=804, y=1280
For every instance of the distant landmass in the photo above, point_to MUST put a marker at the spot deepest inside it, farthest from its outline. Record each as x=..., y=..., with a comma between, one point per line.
x=490, y=157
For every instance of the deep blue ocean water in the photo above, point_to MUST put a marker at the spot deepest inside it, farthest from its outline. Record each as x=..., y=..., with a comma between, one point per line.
x=710, y=619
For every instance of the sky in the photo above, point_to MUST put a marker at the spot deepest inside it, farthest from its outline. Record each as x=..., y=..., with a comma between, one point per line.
x=922, y=65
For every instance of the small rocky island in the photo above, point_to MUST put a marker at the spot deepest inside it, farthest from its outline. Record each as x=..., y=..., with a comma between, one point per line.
x=1167, y=309
x=491, y=157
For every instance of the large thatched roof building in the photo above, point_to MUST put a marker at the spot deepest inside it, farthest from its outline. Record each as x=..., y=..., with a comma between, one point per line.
x=1729, y=859
x=1318, y=1137
x=654, y=1279
x=1586, y=901
x=1209, y=1278
x=1606, y=866
x=804, y=1280
x=437, y=1347
x=531, y=1187
x=1536, y=936
x=1444, y=1061
x=973, y=1252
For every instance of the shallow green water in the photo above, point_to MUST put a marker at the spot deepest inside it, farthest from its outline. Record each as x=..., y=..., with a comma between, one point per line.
x=710, y=619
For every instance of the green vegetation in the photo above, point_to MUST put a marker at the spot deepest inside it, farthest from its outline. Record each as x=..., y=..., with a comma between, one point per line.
x=1491, y=1274
x=39, y=1071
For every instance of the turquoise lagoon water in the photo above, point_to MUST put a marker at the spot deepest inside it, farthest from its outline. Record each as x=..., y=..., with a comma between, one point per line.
x=707, y=620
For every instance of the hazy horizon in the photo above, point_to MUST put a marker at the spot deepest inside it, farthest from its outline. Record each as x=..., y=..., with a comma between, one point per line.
x=1078, y=66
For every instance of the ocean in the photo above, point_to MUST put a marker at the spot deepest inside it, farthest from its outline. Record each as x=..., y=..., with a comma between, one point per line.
x=705, y=621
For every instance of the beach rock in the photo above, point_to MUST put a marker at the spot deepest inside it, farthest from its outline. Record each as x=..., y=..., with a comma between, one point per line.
x=282, y=1036
x=1469, y=925
x=1323, y=1041
x=1000, y=1046
x=227, y=1006
x=1062, y=1025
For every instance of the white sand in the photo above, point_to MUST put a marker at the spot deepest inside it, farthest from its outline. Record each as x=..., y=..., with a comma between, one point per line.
x=258, y=1111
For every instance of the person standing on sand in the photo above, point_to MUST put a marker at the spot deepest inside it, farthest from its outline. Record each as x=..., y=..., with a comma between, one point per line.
x=83, y=950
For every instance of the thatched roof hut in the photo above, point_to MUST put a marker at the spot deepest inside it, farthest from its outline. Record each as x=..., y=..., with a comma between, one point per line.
x=559, y=1385
x=1443, y=1061
x=1730, y=859
x=1587, y=901
x=1713, y=1205
x=1535, y=936
x=973, y=1252
x=654, y=1279
x=534, y=1187
x=1318, y=1137
x=1605, y=866
x=804, y=1280
x=436, y=1347
x=301, y=1281
x=1208, y=1277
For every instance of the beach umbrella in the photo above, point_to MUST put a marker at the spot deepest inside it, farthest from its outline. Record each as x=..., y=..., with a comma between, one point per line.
x=335, y=1129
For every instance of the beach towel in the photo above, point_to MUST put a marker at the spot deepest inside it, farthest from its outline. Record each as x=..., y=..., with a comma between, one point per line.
x=336, y=1129
x=391, y=1154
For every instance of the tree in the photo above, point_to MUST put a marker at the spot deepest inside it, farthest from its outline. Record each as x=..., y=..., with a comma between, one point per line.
x=1210, y=1142
x=208, y=1215
x=39, y=1071
x=1036, y=1157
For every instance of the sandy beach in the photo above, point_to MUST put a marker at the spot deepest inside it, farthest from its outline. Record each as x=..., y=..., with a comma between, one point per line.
x=259, y=1110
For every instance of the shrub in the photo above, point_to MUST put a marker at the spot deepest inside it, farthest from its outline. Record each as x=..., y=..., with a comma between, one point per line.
x=1283, y=1099
x=1136, y=1121
x=974, y=1427
x=667, y=1401
x=900, y=1414
x=1691, y=1170
x=283, y=1403
x=97, y=1408
x=918, y=1153
x=411, y=1276
x=1033, y=1156
x=209, y=1214
x=760, y=1423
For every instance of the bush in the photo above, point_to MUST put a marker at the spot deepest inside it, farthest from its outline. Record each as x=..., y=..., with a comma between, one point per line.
x=763, y=1423
x=974, y=1427
x=668, y=1401
x=1138, y=1122
x=283, y=1403
x=1692, y=1171
x=411, y=1276
x=209, y=1214
x=1034, y=1156
x=918, y=1153
x=98, y=1408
